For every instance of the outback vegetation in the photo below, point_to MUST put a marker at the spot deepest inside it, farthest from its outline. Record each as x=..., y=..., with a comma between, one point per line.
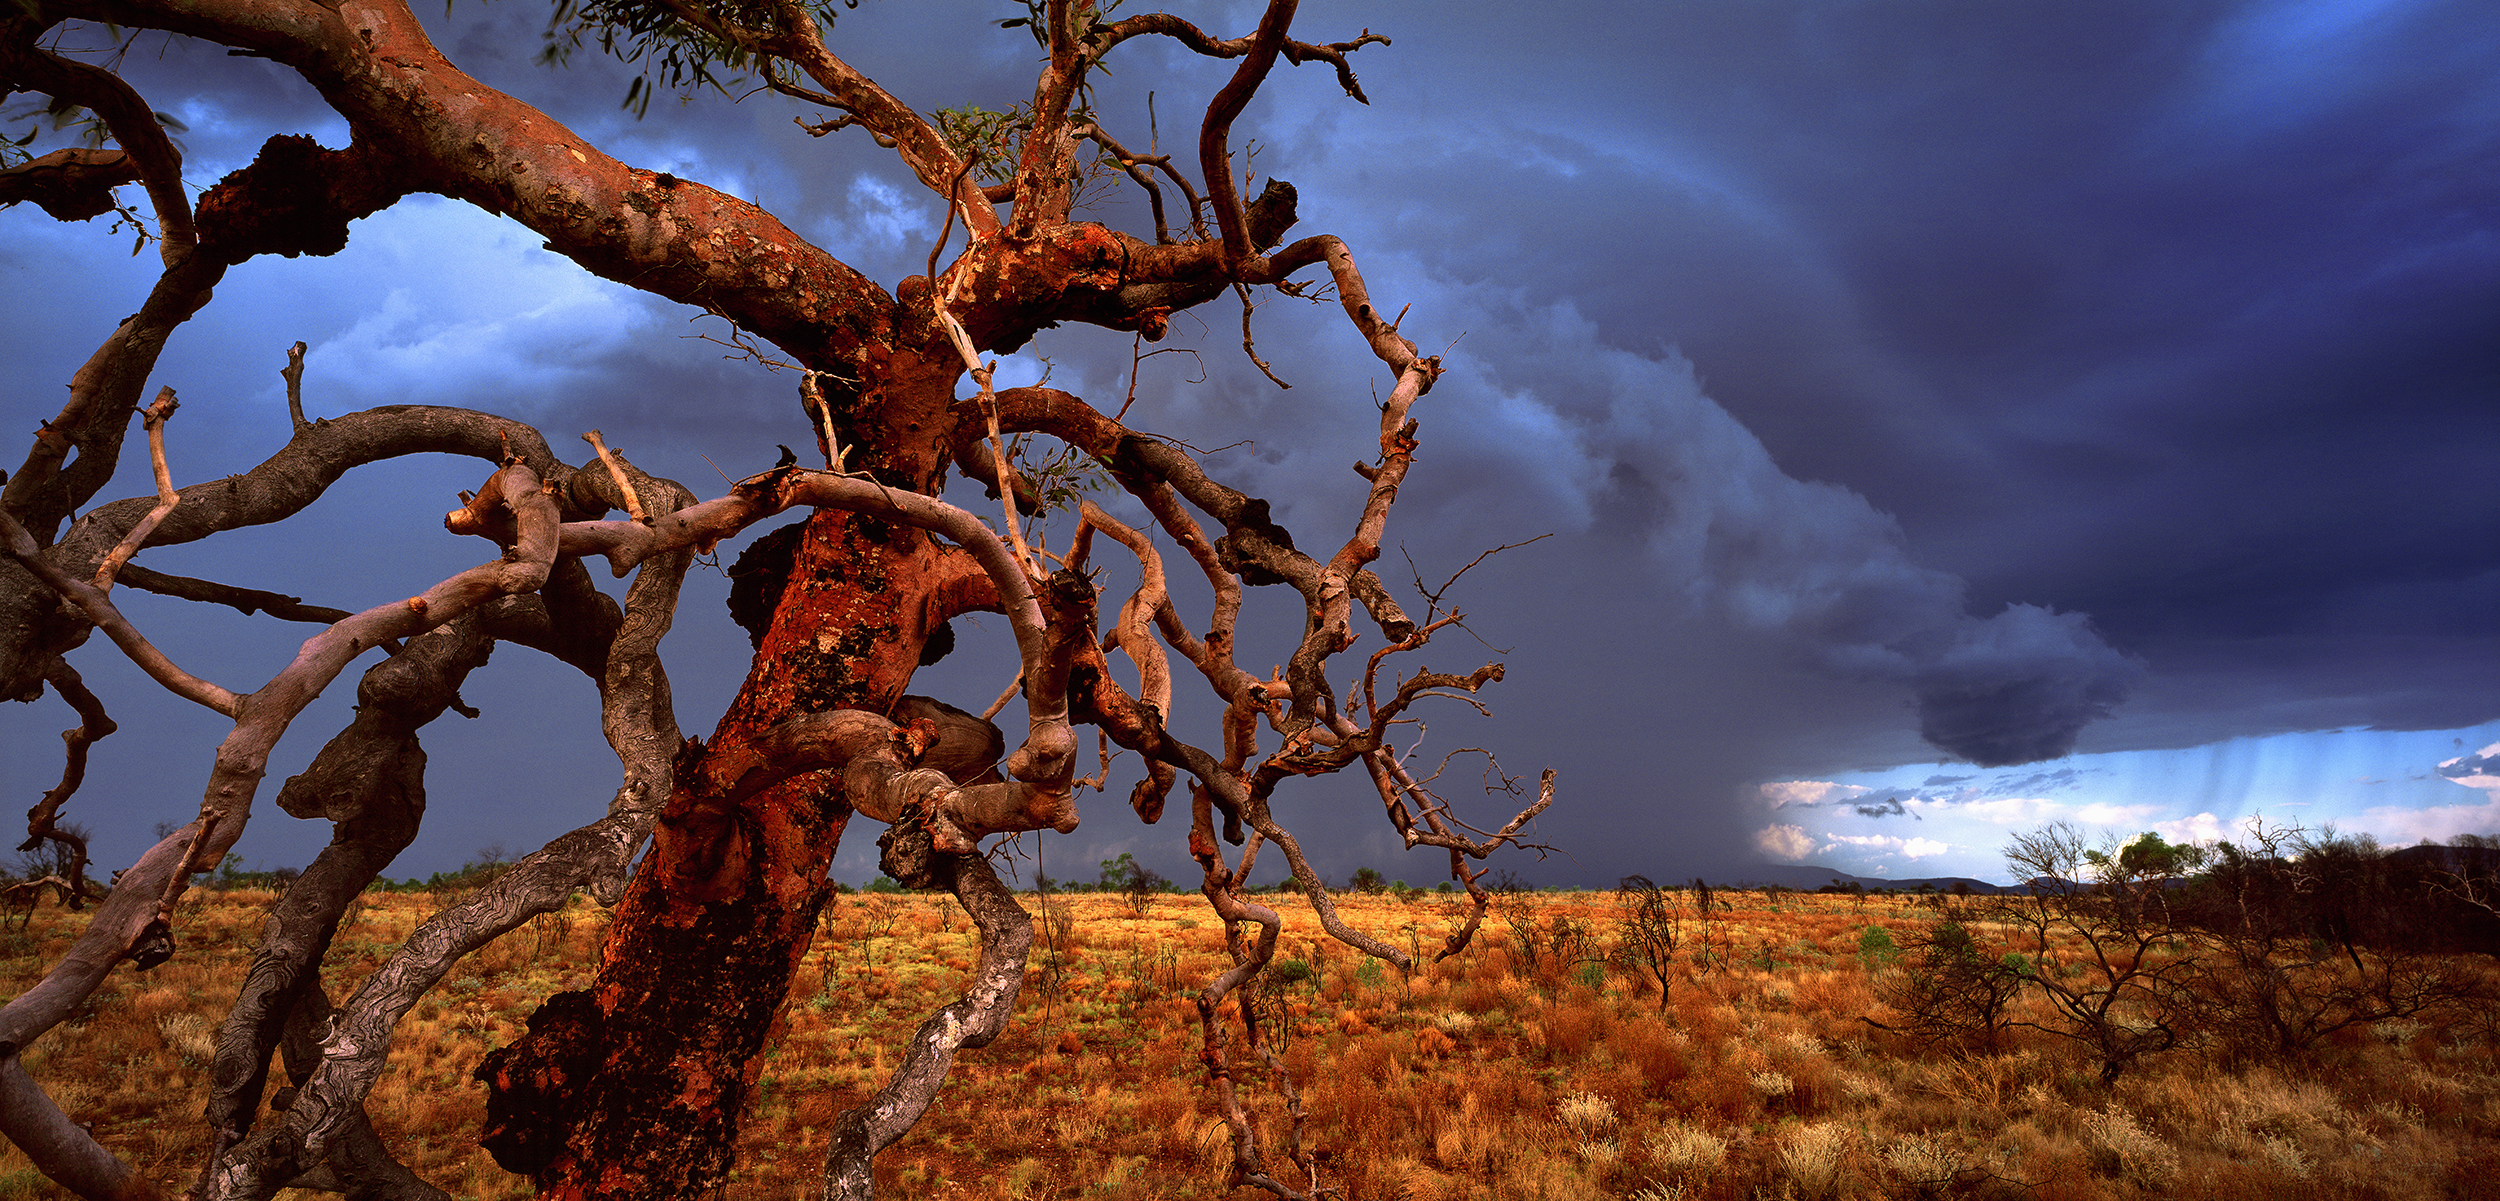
x=634, y=1070
x=1544, y=1062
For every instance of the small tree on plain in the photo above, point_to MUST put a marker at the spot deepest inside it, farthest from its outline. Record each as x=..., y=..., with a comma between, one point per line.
x=1649, y=923
x=1716, y=944
x=1137, y=884
x=2308, y=933
x=1951, y=989
x=2124, y=993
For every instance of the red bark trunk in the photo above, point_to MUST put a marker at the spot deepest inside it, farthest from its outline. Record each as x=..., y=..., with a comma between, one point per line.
x=634, y=1087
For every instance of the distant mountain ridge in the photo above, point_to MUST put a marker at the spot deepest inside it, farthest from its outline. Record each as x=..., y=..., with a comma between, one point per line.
x=1807, y=877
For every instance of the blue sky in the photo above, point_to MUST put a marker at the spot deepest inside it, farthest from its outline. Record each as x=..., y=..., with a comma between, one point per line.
x=1947, y=819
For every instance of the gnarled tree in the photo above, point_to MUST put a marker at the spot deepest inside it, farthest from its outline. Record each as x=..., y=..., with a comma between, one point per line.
x=633, y=1086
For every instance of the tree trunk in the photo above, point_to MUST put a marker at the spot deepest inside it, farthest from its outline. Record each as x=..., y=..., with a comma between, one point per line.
x=635, y=1086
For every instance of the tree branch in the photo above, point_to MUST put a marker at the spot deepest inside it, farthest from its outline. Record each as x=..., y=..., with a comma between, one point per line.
x=973, y=1020
x=156, y=414
x=642, y=728
x=42, y=821
x=370, y=782
x=243, y=600
x=98, y=607
x=1215, y=159
x=150, y=155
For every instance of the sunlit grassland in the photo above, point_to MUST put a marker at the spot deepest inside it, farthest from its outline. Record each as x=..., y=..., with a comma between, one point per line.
x=1472, y=1078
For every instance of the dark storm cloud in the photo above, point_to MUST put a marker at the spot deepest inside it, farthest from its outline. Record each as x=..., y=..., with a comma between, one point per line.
x=2131, y=310
x=2020, y=688
x=2486, y=763
x=1629, y=443
x=1888, y=806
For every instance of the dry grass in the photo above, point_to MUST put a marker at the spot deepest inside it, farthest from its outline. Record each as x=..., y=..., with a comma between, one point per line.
x=1460, y=1082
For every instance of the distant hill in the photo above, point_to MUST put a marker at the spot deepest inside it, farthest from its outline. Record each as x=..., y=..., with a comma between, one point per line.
x=1807, y=877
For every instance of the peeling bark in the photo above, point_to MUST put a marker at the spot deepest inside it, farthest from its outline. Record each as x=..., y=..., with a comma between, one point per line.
x=370, y=782
x=972, y=1020
x=634, y=1086
x=641, y=727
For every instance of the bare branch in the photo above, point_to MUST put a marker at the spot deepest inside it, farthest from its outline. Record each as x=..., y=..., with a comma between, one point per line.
x=150, y=154
x=642, y=729
x=1131, y=634
x=279, y=487
x=633, y=503
x=65, y=1152
x=972, y=1020
x=1166, y=25
x=42, y=821
x=1249, y=345
x=1215, y=160
x=70, y=185
x=1130, y=162
x=369, y=780
x=243, y=600
x=293, y=373
x=1001, y=468
x=98, y=607
x=157, y=414
x=792, y=36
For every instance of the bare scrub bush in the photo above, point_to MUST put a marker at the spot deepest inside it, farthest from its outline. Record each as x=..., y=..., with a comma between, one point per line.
x=2310, y=934
x=1685, y=1151
x=1548, y=950
x=1923, y=1165
x=1715, y=942
x=2104, y=948
x=1649, y=923
x=1586, y=1114
x=1951, y=989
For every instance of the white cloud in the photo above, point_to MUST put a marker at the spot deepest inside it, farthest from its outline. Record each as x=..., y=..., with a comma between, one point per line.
x=2398, y=826
x=547, y=349
x=2106, y=814
x=2202, y=828
x=480, y=316
x=1783, y=793
x=1784, y=842
x=879, y=218
x=2479, y=770
x=1915, y=848
x=2011, y=811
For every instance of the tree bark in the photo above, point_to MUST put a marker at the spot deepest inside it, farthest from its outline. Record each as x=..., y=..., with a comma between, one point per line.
x=634, y=1086
x=972, y=1020
x=370, y=782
